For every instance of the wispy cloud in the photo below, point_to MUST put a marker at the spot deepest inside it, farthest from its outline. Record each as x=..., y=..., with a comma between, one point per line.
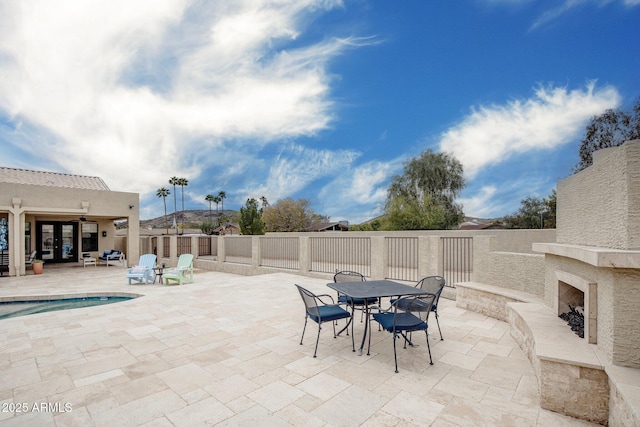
x=103, y=88
x=560, y=8
x=552, y=117
x=296, y=167
x=359, y=193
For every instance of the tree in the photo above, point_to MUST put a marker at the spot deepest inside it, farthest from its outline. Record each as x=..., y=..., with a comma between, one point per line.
x=174, y=180
x=423, y=197
x=222, y=196
x=373, y=225
x=164, y=192
x=183, y=182
x=210, y=198
x=250, y=218
x=534, y=213
x=206, y=227
x=288, y=215
x=610, y=129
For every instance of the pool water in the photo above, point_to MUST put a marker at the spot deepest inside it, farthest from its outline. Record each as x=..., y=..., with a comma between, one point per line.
x=23, y=308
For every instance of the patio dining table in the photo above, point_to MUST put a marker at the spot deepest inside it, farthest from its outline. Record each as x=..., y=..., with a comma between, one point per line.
x=373, y=289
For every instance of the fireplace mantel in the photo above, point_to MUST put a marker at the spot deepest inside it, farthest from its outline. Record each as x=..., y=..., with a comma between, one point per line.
x=596, y=256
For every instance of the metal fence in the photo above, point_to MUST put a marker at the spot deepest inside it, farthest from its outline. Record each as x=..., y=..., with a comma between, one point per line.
x=331, y=254
x=400, y=255
x=280, y=252
x=238, y=250
x=457, y=259
x=184, y=245
x=166, y=246
x=402, y=258
x=204, y=245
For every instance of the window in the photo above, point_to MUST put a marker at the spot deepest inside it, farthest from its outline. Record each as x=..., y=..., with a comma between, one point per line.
x=27, y=238
x=89, y=237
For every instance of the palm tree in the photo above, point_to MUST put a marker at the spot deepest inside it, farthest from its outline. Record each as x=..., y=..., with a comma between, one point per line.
x=216, y=200
x=210, y=198
x=164, y=192
x=222, y=196
x=183, y=182
x=174, y=180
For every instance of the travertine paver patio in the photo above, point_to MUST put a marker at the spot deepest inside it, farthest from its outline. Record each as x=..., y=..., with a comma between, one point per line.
x=225, y=351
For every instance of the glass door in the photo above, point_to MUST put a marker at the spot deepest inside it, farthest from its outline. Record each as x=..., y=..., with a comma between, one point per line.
x=56, y=241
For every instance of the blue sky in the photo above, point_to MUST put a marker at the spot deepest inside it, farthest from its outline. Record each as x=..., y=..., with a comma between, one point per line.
x=315, y=99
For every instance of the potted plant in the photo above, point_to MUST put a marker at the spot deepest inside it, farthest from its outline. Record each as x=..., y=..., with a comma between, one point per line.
x=38, y=265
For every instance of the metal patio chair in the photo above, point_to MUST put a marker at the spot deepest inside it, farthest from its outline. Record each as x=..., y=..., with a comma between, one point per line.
x=354, y=303
x=433, y=285
x=401, y=322
x=320, y=312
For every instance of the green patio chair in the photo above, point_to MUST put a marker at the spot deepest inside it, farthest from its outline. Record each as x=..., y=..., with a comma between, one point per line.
x=183, y=273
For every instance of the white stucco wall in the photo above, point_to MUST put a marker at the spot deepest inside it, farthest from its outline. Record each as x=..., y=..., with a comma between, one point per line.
x=600, y=206
x=32, y=203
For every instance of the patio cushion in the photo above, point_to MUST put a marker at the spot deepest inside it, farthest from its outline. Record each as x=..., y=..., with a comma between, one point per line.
x=404, y=321
x=329, y=312
x=356, y=301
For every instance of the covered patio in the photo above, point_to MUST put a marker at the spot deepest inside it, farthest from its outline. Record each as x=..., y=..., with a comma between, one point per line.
x=225, y=351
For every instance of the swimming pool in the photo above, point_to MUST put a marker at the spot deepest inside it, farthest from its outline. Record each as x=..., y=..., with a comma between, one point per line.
x=40, y=304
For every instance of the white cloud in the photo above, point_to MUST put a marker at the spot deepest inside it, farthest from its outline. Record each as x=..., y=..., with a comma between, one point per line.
x=567, y=5
x=552, y=117
x=296, y=167
x=480, y=205
x=359, y=193
x=562, y=7
x=138, y=91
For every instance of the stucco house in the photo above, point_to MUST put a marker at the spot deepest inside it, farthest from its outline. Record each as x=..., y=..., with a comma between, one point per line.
x=61, y=216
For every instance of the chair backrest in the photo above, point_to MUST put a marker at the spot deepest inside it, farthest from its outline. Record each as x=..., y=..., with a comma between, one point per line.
x=348, y=276
x=417, y=305
x=433, y=285
x=185, y=260
x=310, y=301
x=147, y=260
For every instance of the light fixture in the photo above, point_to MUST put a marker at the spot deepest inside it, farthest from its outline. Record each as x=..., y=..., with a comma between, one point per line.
x=82, y=218
x=104, y=234
x=131, y=206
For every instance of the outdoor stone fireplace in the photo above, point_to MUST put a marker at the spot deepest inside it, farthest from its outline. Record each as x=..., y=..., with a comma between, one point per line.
x=596, y=260
x=595, y=264
x=577, y=293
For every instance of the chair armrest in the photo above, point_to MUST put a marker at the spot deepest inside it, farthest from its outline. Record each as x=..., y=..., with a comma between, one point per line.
x=333, y=302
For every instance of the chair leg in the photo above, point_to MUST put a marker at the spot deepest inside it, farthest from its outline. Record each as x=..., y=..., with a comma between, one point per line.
x=303, y=329
x=395, y=355
x=438, y=322
x=428, y=347
x=317, y=340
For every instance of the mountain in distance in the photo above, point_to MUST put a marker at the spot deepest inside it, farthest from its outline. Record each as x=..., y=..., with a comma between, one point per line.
x=192, y=218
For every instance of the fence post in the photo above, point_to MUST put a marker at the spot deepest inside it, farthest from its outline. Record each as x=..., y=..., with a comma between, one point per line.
x=304, y=258
x=379, y=258
x=195, y=249
x=256, y=256
x=221, y=250
x=429, y=253
x=173, y=249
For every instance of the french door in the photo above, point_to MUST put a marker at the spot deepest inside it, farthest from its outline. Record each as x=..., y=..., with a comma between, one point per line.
x=56, y=241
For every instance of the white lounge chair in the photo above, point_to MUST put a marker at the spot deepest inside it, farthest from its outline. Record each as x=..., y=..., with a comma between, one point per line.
x=144, y=270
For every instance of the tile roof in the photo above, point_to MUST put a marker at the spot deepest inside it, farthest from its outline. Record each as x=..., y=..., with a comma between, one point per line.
x=51, y=179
